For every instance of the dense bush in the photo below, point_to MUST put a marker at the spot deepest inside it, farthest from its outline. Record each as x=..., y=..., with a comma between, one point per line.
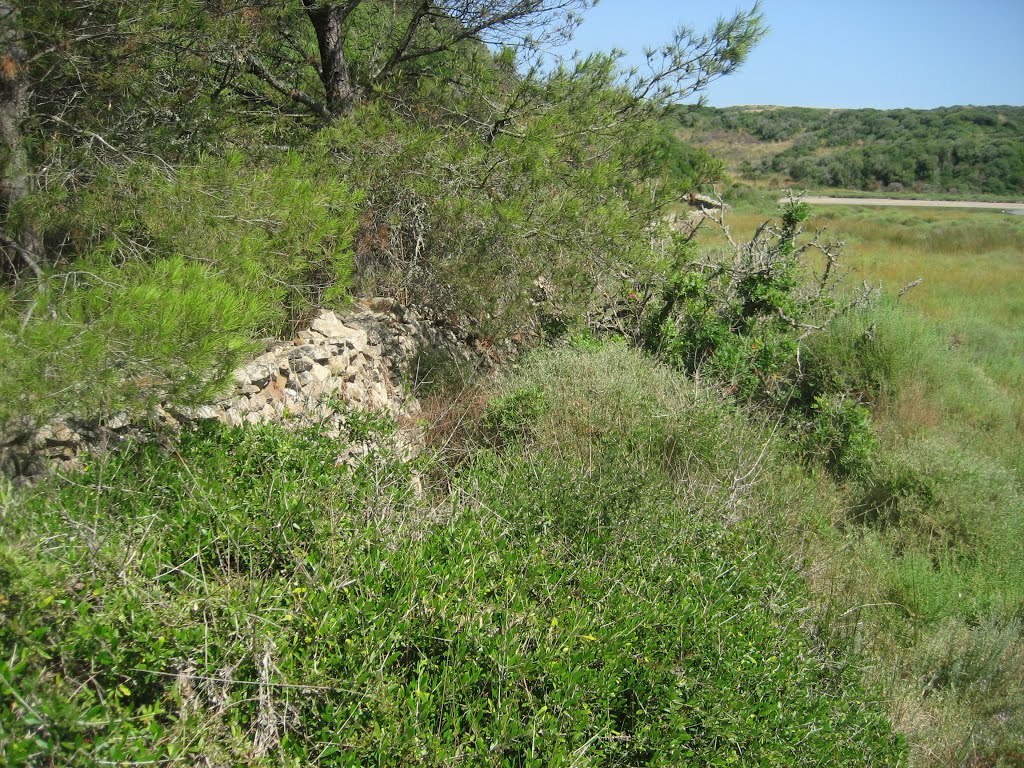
x=742, y=315
x=124, y=340
x=162, y=279
x=606, y=592
x=466, y=225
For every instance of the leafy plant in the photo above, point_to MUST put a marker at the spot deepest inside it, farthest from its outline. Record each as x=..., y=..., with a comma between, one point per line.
x=566, y=600
x=742, y=315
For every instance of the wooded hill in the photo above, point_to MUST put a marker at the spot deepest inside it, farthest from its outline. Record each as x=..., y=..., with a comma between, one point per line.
x=952, y=150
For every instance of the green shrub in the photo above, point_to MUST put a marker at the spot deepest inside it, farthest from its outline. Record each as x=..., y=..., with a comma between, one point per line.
x=508, y=417
x=841, y=433
x=744, y=316
x=280, y=228
x=634, y=474
x=727, y=319
x=164, y=279
x=915, y=380
x=248, y=600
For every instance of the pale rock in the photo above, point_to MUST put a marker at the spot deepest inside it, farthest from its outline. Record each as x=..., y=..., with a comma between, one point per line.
x=57, y=433
x=353, y=455
x=354, y=338
x=117, y=421
x=163, y=416
x=320, y=373
x=356, y=360
x=382, y=305
x=338, y=365
x=206, y=413
x=256, y=374
x=329, y=325
x=275, y=389
x=355, y=392
x=377, y=395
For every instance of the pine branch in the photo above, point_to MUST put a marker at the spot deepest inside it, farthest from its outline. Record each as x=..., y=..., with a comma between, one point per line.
x=257, y=68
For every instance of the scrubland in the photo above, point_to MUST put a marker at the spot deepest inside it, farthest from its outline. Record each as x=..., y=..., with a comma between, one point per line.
x=720, y=507
x=928, y=559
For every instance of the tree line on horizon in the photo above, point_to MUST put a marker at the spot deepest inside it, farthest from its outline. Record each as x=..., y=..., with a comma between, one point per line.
x=949, y=150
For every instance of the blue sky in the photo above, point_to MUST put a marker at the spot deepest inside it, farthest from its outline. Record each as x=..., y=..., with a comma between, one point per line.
x=845, y=53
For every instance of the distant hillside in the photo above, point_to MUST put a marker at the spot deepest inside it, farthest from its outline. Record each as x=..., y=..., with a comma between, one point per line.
x=951, y=150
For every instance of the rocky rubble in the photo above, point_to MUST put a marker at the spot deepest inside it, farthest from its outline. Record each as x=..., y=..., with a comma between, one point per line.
x=362, y=360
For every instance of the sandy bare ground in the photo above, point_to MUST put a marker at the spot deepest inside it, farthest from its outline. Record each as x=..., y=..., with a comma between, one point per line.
x=1010, y=207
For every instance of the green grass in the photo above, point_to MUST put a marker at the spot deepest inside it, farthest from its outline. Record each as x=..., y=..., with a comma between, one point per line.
x=960, y=332
x=971, y=310
x=608, y=594
x=919, y=564
x=912, y=195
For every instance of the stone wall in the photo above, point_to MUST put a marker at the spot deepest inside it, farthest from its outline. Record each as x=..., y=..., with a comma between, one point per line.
x=364, y=359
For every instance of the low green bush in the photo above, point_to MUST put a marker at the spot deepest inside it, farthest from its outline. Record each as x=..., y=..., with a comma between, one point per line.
x=950, y=519
x=507, y=417
x=909, y=371
x=841, y=434
x=594, y=597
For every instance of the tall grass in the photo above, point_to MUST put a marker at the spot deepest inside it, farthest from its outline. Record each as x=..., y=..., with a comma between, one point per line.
x=920, y=567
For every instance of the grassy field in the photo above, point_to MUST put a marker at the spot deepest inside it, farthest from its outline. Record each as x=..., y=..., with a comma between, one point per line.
x=924, y=557
x=970, y=301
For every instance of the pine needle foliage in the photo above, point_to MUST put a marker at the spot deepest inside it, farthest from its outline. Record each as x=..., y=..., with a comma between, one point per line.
x=165, y=278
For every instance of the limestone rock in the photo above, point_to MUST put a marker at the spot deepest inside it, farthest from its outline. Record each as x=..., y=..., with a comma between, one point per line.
x=329, y=325
x=363, y=359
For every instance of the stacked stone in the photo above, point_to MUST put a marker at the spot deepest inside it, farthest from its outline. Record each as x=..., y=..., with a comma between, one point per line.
x=330, y=360
x=336, y=365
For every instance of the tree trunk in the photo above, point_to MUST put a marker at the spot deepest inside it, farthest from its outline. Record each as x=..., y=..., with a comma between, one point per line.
x=15, y=172
x=328, y=21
